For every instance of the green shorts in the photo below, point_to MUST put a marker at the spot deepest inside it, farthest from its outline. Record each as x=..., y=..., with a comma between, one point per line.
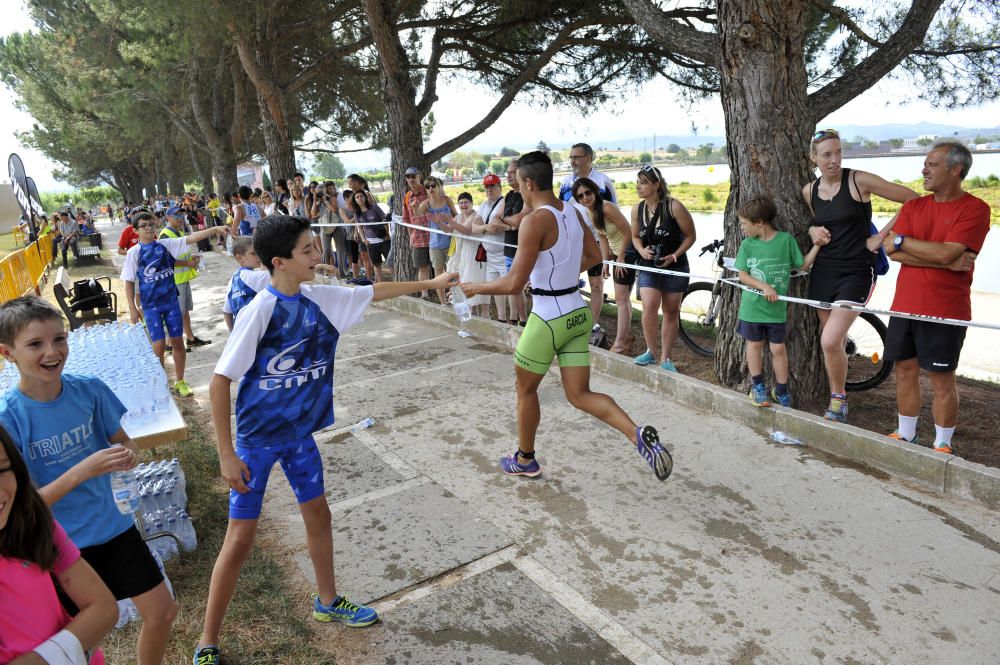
x=567, y=336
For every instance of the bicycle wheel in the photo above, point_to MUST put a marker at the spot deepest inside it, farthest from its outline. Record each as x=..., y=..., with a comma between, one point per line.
x=699, y=324
x=866, y=363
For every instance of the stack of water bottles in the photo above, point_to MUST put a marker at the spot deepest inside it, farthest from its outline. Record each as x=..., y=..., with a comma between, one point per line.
x=156, y=491
x=119, y=354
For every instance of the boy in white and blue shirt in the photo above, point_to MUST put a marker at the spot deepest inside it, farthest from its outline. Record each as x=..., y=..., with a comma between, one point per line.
x=246, y=281
x=281, y=351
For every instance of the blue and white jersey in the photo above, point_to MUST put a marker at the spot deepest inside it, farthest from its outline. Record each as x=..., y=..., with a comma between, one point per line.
x=245, y=284
x=281, y=351
x=605, y=184
x=251, y=213
x=151, y=265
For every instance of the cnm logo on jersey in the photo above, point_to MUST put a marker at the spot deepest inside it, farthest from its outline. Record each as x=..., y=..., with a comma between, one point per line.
x=282, y=371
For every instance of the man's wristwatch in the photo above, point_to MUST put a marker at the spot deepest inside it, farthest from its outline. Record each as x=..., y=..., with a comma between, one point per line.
x=897, y=242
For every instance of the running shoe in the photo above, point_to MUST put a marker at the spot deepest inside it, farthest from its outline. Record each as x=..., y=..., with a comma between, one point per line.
x=182, y=388
x=668, y=365
x=645, y=359
x=343, y=610
x=647, y=442
x=943, y=448
x=784, y=399
x=206, y=656
x=899, y=437
x=837, y=410
x=758, y=395
x=197, y=341
x=510, y=466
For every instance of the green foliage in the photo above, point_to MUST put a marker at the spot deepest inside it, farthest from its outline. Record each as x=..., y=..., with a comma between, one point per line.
x=646, y=158
x=508, y=152
x=481, y=166
x=673, y=148
x=708, y=195
x=328, y=167
x=499, y=166
x=85, y=197
x=897, y=143
x=923, y=142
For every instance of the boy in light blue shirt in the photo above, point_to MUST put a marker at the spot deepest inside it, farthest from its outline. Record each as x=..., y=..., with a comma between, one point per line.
x=68, y=430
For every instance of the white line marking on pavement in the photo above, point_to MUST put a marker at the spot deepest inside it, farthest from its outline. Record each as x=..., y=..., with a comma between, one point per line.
x=449, y=579
x=375, y=495
x=398, y=464
x=610, y=630
x=382, y=349
x=423, y=370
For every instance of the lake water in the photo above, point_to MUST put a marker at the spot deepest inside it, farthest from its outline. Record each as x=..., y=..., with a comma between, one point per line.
x=890, y=168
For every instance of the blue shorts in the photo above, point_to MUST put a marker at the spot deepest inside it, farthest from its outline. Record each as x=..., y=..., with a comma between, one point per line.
x=245, y=228
x=301, y=462
x=158, y=317
x=509, y=260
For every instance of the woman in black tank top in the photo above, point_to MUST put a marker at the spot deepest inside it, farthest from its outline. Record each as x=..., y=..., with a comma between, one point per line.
x=840, y=200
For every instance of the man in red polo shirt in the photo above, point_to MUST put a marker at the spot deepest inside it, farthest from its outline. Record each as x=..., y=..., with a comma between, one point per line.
x=936, y=238
x=128, y=238
x=419, y=240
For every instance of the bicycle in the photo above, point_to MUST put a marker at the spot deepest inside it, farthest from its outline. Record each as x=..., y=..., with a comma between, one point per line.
x=699, y=329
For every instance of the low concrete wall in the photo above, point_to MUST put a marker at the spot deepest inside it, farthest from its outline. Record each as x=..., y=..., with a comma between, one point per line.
x=942, y=473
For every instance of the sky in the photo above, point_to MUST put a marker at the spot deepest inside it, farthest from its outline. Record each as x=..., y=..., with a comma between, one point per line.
x=653, y=110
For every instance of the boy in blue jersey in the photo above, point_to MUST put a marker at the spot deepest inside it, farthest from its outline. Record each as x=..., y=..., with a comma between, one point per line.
x=282, y=352
x=151, y=263
x=246, y=281
x=68, y=430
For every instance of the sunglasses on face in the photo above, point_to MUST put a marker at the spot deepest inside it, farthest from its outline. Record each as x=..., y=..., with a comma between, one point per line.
x=824, y=134
x=582, y=194
x=429, y=186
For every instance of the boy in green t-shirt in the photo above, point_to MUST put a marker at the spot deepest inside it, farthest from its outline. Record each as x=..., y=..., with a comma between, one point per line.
x=765, y=262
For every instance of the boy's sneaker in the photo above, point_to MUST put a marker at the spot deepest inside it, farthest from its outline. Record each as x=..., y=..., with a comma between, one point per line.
x=206, y=656
x=784, y=399
x=197, y=341
x=182, y=388
x=510, y=466
x=943, y=448
x=837, y=410
x=758, y=395
x=899, y=437
x=343, y=610
x=647, y=442
x=668, y=365
x=645, y=359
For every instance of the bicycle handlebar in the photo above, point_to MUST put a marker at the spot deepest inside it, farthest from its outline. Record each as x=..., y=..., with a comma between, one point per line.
x=711, y=247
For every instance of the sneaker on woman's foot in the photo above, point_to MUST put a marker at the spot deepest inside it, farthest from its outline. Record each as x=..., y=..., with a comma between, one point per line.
x=784, y=399
x=758, y=395
x=182, y=388
x=837, y=410
x=943, y=448
x=510, y=466
x=668, y=365
x=645, y=359
x=343, y=610
x=647, y=442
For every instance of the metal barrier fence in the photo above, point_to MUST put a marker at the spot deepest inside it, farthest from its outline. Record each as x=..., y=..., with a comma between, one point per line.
x=22, y=271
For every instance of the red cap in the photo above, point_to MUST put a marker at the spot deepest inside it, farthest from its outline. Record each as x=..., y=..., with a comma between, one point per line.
x=491, y=179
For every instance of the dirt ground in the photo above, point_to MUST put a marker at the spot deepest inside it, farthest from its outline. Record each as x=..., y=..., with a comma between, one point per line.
x=975, y=437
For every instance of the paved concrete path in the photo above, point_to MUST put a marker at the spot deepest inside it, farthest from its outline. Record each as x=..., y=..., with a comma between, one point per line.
x=750, y=553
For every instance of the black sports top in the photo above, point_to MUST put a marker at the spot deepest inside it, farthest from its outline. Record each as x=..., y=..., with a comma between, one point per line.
x=849, y=224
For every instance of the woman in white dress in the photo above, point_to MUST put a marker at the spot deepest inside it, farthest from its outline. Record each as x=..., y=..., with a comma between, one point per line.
x=467, y=222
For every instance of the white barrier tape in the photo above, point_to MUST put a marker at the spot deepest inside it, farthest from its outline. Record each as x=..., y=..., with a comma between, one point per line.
x=853, y=307
x=730, y=281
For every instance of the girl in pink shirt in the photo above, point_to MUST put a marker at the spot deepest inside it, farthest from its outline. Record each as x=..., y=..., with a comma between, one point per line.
x=34, y=627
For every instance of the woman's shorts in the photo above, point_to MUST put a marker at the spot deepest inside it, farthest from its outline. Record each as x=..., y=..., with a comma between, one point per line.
x=829, y=284
x=378, y=251
x=665, y=283
x=629, y=278
x=439, y=258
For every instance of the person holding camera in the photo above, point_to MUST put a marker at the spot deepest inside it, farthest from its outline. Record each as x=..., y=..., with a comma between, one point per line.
x=662, y=233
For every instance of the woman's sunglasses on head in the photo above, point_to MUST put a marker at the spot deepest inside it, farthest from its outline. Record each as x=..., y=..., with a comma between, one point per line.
x=824, y=134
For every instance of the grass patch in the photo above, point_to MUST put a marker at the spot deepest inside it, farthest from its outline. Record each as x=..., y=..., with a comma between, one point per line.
x=266, y=622
x=7, y=245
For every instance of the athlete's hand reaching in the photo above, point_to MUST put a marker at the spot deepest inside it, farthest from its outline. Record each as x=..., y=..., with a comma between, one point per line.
x=445, y=280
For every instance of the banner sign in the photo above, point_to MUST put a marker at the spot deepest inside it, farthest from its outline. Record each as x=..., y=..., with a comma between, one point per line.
x=18, y=180
x=36, y=200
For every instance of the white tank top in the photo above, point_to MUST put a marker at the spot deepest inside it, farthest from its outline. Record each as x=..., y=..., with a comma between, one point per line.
x=558, y=267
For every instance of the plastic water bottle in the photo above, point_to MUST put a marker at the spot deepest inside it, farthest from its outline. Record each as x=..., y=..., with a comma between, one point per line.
x=124, y=612
x=125, y=491
x=780, y=437
x=229, y=244
x=189, y=539
x=462, y=310
x=364, y=424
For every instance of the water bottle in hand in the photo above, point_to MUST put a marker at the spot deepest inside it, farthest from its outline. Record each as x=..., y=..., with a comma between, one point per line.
x=460, y=304
x=125, y=491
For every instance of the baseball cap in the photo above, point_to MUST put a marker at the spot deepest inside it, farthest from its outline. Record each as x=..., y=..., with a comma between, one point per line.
x=413, y=170
x=174, y=211
x=491, y=179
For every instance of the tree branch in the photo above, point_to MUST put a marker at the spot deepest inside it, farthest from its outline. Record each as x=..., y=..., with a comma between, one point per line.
x=687, y=41
x=872, y=69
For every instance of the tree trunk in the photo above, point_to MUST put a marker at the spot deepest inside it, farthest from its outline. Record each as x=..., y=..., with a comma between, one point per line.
x=202, y=169
x=768, y=128
x=159, y=182
x=277, y=141
x=224, y=175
